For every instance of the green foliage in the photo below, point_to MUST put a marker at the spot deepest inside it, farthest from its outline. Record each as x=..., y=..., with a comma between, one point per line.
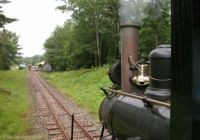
x=97, y=24
x=90, y=39
x=31, y=60
x=3, y=19
x=82, y=85
x=156, y=26
x=8, y=49
x=8, y=41
x=58, y=46
x=14, y=103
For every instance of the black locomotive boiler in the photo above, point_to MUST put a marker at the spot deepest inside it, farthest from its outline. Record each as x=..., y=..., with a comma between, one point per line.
x=138, y=104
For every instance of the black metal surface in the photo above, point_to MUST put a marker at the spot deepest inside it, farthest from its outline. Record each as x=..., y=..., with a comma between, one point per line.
x=160, y=73
x=72, y=128
x=196, y=70
x=158, y=94
x=196, y=85
x=185, y=100
x=115, y=72
x=126, y=117
x=160, y=67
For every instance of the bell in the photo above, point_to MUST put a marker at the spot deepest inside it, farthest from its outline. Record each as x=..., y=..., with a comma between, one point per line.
x=141, y=78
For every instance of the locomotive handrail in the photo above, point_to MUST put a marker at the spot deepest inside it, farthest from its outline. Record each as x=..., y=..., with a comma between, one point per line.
x=156, y=102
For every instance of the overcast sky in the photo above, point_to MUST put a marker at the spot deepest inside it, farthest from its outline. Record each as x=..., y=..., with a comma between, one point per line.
x=37, y=20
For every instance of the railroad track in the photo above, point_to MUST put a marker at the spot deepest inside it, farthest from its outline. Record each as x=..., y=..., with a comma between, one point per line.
x=62, y=121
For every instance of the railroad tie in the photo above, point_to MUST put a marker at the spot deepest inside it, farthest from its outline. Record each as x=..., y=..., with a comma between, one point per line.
x=50, y=123
x=52, y=128
x=54, y=132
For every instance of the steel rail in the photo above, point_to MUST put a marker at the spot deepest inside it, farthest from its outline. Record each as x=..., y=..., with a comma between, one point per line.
x=55, y=116
x=66, y=109
x=138, y=97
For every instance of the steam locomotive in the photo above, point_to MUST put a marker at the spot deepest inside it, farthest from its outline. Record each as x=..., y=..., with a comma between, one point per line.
x=138, y=104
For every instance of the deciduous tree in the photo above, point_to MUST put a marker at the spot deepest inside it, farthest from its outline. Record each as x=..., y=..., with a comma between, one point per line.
x=155, y=27
x=96, y=26
x=8, y=41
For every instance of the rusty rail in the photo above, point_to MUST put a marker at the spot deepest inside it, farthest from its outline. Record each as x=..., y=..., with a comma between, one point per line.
x=55, y=116
x=67, y=111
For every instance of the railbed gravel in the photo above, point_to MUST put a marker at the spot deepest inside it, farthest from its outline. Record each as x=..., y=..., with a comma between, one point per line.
x=41, y=117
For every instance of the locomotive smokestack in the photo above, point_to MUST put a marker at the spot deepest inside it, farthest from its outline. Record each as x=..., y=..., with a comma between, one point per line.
x=129, y=41
x=129, y=46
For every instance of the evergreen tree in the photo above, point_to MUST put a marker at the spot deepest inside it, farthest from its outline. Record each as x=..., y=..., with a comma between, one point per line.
x=4, y=19
x=8, y=49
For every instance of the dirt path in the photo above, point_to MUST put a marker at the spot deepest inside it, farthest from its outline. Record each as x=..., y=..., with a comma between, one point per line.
x=50, y=118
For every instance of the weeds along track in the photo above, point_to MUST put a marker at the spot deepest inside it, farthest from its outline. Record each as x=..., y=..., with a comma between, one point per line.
x=62, y=120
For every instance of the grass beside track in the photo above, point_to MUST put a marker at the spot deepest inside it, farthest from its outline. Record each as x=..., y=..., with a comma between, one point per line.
x=83, y=86
x=14, y=104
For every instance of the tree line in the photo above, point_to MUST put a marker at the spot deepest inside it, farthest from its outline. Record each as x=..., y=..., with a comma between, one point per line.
x=33, y=60
x=91, y=37
x=8, y=41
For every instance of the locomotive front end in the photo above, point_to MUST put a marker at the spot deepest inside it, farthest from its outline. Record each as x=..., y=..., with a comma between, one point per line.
x=138, y=104
x=142, y=114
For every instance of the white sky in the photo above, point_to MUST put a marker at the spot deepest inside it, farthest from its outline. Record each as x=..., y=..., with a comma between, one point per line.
x=37, y=20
